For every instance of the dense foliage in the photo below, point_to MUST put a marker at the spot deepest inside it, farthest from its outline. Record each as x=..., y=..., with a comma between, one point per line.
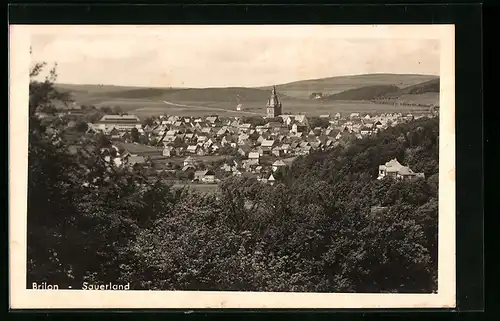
x=327, y=225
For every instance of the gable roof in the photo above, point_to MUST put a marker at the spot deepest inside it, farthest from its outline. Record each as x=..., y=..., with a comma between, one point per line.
x=253, y=155
x=267, y=143
x=279, y=162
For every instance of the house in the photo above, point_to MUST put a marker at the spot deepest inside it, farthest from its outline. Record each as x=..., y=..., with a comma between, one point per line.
x=206, y=176
x=202, y=138
x=208, y=143
x=354, y=116
x=315, y=145
x=192, y=149
x=304, y=144
x=266, y=147
x=394, y=169
x=244, y=150
x=273, y=125
x=267, y=143
x=254, y=158
x=206, y=130
x=172, y=119
x=120, y=122
x=277, y=165
x=223, y=131
x=228, y=140
x=285, y=148
x=169, y=151
x=201, y=151
x=114, y=133
x=212, y=120
x=133, y=160
x=141, y=150
x=188, y=167
x=271, y=180
x=189, y=161
x=243, y=138
x=365, y=131
x=244, y=127
x=305, y=150
x=298, y=128
x=277, y=151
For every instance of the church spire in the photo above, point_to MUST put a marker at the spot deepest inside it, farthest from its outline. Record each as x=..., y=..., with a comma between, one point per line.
x=273, y=104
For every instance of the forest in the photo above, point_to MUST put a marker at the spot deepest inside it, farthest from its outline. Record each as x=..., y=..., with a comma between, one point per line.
x=327, y=225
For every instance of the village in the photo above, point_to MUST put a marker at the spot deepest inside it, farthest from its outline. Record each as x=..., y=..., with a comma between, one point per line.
x=205, y=150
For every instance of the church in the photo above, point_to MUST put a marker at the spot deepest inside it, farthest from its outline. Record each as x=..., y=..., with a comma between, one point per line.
x=273, y=105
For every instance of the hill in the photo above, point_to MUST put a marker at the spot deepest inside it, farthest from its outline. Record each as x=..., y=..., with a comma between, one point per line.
x=364, y=93
x=425, y=93
x=333, y=85
x=431, y=86
x=298, y=89
x=230, y=94
x=145, y=101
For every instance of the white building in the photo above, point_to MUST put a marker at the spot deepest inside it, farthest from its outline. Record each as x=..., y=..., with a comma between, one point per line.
x=120, y=122
x=395, y=170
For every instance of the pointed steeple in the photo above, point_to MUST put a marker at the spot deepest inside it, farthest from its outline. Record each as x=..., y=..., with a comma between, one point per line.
x=273, y=104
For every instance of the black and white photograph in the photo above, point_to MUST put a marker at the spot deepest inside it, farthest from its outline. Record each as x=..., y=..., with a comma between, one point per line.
x=217, y=166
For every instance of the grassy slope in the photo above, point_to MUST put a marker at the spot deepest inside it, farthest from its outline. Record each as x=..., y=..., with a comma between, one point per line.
x=423, y=93
x=333, y=85
x=364, y=93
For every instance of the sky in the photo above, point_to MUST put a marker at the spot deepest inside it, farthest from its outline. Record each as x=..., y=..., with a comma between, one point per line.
x=231, y=56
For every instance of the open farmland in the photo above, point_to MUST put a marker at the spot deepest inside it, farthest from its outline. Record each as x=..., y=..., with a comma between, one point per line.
x=199, y=102
x=312, y=108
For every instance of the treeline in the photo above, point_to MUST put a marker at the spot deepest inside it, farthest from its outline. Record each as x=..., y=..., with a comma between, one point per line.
x=314, y=230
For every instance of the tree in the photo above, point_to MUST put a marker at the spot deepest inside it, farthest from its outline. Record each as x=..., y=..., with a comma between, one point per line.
x=102, y=141
x=81, y=126
x=318, y=122
x=117, y=110
x=149, y=121
x=134, y=135
x=106, y=109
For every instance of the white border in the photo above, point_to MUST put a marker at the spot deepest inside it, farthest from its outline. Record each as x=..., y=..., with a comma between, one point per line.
x=21, y=298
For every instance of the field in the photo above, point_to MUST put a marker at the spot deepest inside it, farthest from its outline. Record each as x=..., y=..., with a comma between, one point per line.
x=146, y=102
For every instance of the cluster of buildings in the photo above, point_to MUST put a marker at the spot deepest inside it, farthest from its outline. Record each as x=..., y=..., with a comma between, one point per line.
x=260, y=150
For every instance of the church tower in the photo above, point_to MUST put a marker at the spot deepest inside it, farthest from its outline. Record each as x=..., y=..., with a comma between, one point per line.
x=273, y=105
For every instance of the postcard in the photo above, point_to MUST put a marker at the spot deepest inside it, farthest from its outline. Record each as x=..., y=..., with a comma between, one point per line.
x=232, y=166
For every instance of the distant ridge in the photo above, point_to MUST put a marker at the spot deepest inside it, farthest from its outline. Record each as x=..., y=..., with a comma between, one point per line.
x=348, y=87
x=372, y=76
x=364, y=93
x=429, y=89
